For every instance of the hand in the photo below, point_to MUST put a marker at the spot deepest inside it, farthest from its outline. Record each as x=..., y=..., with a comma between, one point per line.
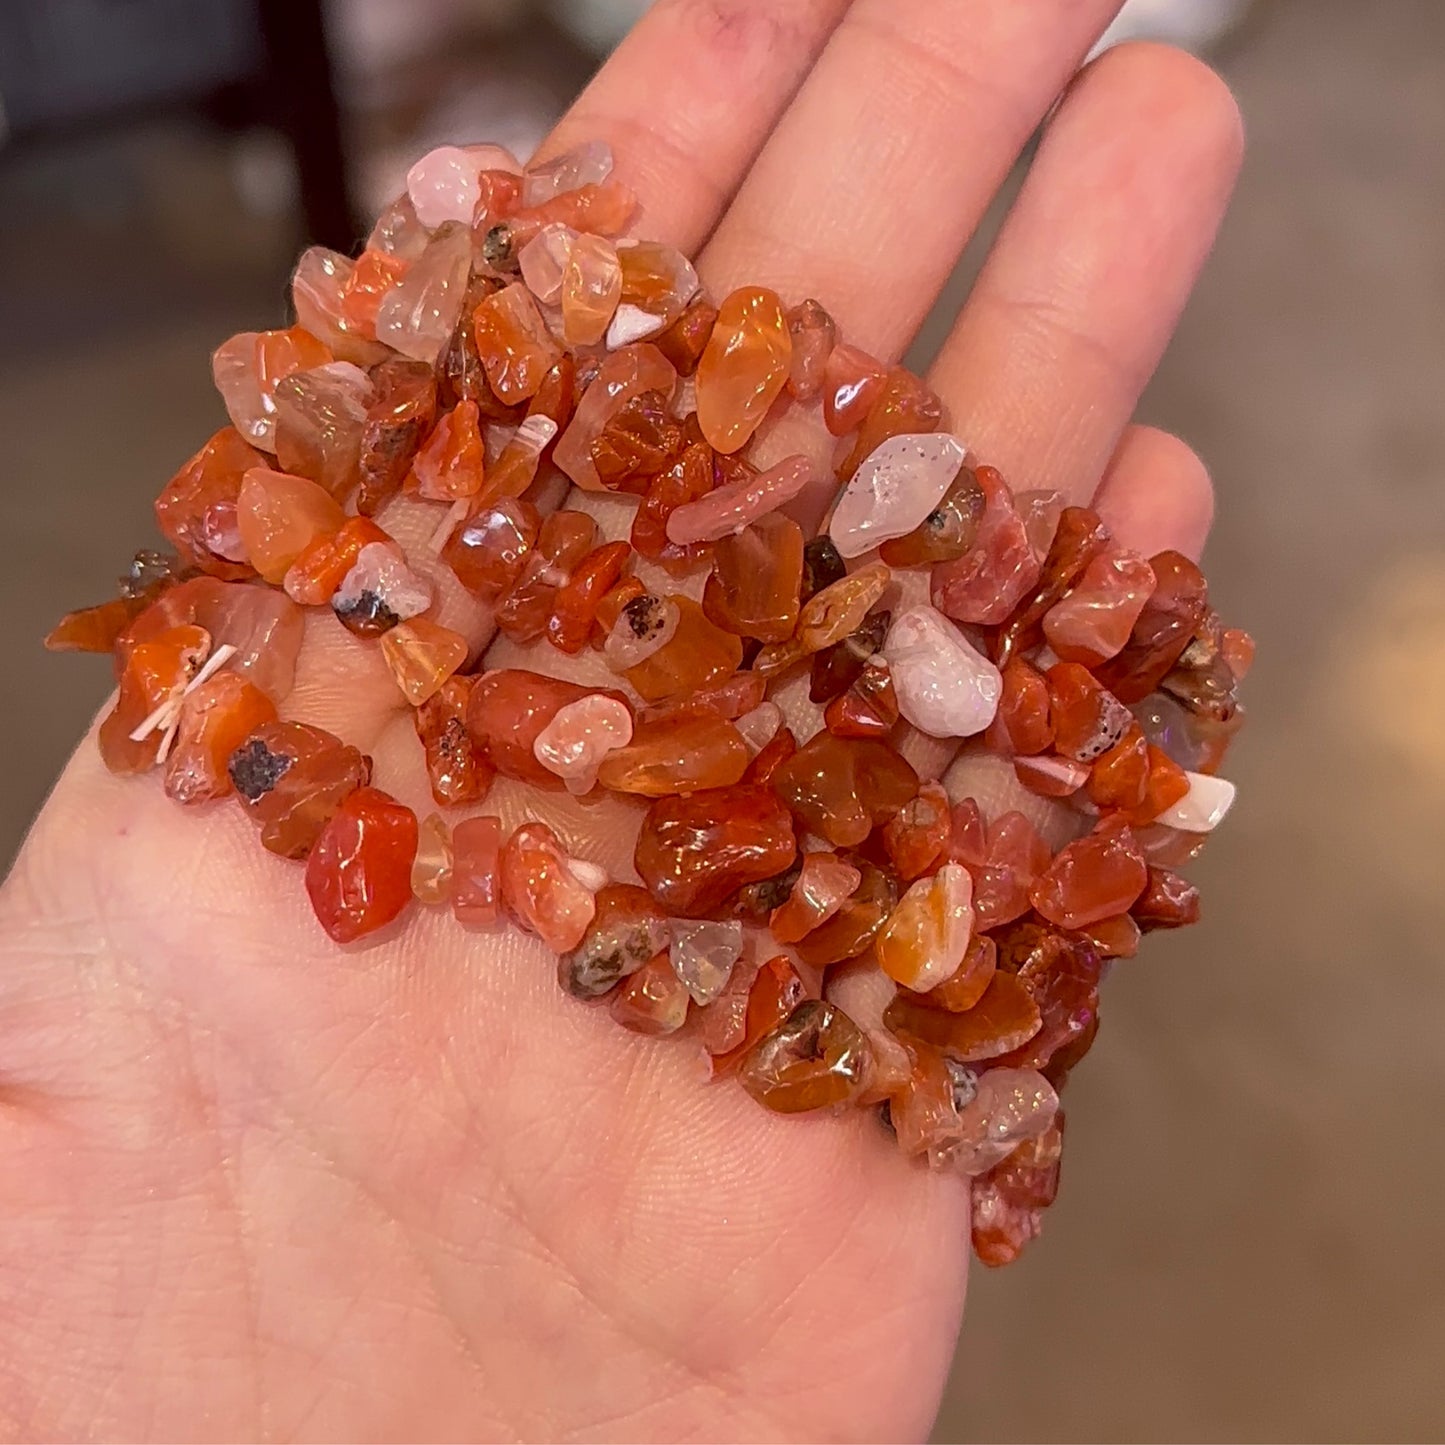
x=256, y=1185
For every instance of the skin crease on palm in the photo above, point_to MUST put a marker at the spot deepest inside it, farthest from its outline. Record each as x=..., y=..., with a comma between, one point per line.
x=258, y=1186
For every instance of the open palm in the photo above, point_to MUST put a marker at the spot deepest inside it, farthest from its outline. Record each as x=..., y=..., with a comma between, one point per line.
x=255, y=1185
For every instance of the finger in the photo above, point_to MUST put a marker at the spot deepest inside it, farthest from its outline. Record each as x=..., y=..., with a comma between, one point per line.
x=1156, y=494
x=1085, y=283
x=882, y=166
x=688, y=98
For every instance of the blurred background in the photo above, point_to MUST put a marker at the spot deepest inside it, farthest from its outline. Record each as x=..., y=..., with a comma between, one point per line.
x=1249, y=1241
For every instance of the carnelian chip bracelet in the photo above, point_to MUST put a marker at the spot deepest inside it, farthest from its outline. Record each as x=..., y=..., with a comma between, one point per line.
x=832, y=928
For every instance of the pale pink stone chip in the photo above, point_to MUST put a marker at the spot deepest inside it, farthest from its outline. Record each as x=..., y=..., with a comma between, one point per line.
x=581, y=734
x=544, y=261
x=586, y=165
x=703, y=955
x=894, y=489
x=734, y=505
x=443, y=186
x=945, y=688
x=419, y=315
x=1203, y=807
x=1011, y=1105
x=381, y=573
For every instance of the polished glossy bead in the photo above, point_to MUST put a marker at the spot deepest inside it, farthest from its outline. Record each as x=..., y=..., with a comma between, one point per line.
x=358, y=875
x=895, y=490
x=816, y=1058
x=1024, y=724
x=823, y=885
x=626, y=931
x=515, y=348
x=947, y=532
x=1012, y=858
x=1164, y=628
x=696, y=653
x=731, y=507
x=422, y=655
x=835, y=669
x=743, y=368
x=1079, y=538
x=681, y=753
x=926, y=936
x=216, y=718
x=764, y=1000
x=320, y=416
x=418, y=315
x=1094, y=621
x=756, y=580
x=852, y=381
x=574, y=607
x=653, y=1000
x=581, y=736
x=695, y=852
x=458, y=770
x=543, y=262
x=1009, y=1201
x=658, y=281
x=563, y=540
x=828, y=617
x=209, y=479
x=1003, y=1018
x=704, y=954
x=452, y=461
x=476, y=864
x=291, y=778
x=1051, y=777
x=247, y=368
x=380, y=591
x=688, y=478
x=970, y=980
x=280, y=516
x=1168, y=901
x=869, y=709
x=640, y=441
x=840, y=788
x=1119, y=777
x=1203, y=805
x=903, y=404
x=623, y=374
x=852, y=929
x=336, y=299
x=917, y=836
x=507, y=711
x=1088, y=719
x=442, y=186
x=1062, y=972
x=490, y=548
x=945, y=687
x=1092, y=878
x=591, y=289
x=1010, y=1105
x=988, y=581
x=814, y=335
x=684, y=342
x=397, y=421
x=263, y=625
x=431, y=869
x=541, y=891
